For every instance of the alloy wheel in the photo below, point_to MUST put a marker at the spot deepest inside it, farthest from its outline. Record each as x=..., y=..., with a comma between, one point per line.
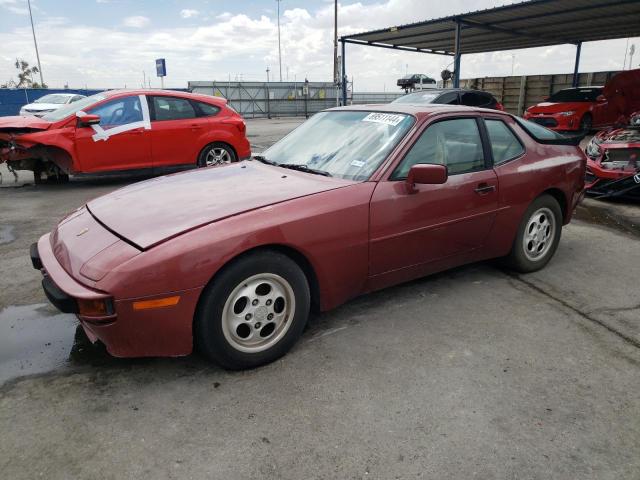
x=258, y=312
x=539, y=234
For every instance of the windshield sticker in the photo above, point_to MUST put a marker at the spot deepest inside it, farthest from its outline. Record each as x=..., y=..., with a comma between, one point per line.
x=357, y=163
x=385, y=118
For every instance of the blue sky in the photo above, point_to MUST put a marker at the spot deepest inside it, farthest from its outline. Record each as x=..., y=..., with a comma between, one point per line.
x=110, y=43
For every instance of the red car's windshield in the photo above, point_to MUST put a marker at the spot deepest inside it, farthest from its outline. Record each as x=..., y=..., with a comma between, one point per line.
x=576, y=95
x=344, y=144
x=71, y=108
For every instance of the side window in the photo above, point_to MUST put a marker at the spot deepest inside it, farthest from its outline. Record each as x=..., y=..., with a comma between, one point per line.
x=449, y=98
x=473, y=99
x=504, y=144
x=207, y=110
x=76, y=98
x=454, y=143
x=172, y=108
x=120, y=111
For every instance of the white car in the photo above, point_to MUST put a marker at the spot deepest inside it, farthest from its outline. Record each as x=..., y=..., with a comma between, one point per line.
x=49, y=103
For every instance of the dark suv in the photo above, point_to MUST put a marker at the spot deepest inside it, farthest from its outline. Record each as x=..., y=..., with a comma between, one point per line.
x=451, y=96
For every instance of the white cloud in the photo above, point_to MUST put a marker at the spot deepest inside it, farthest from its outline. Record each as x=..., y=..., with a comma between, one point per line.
x=14, y=6
x=230, y=45
x=137, y=21
x=189, y=13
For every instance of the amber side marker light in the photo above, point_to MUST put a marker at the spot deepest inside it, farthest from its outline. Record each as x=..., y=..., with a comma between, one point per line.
x=158, y=303
x=95, y=308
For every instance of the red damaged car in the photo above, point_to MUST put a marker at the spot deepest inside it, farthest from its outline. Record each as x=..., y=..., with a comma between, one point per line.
x=354, y=200
x=124, y=130
x=587, y=108
x=613, y=164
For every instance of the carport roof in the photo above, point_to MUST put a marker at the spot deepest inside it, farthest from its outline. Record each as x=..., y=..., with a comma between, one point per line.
x=534, y=23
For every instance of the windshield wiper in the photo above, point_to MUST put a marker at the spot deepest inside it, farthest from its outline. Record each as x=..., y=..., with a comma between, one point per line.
x=304, y=168
x=262, y=159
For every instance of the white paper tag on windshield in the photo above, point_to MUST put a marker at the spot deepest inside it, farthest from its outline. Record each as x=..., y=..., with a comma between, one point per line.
x=357, y=163
x=386, y=118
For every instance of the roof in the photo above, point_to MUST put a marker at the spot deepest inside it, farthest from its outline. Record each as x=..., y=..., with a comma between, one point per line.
x=529, y=24
x=418, y=110
x=151, y=91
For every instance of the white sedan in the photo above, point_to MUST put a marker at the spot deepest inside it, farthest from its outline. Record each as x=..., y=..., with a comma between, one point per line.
x=49, y=103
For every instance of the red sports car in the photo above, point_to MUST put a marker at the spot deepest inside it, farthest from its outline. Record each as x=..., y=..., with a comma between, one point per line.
x=586, y=108
x=125, y=130
x=355, y=199
x=613, y=164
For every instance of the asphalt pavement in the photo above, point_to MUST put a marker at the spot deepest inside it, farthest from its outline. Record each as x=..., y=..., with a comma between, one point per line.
x=472, y=373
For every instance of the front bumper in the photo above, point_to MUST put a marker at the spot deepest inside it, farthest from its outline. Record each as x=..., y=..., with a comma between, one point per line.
x=128, y=332
x=555, y=122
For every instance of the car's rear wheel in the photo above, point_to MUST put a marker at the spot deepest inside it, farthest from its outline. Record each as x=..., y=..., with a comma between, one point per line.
x=217, y=153
x=586, y=123
x=253, y=311
x=538, y=235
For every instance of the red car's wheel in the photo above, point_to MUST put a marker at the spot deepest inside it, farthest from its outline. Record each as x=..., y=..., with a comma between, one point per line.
x=253, y=311
x=586, y=123
x=538, y=235
x=217, y=153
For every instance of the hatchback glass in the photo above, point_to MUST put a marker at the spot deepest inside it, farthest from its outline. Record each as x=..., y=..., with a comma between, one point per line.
x=348, y=145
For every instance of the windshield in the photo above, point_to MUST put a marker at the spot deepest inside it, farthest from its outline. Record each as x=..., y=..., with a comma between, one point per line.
x=343, y=144
x=53, y=98
x=576, y=95
x=71, y=108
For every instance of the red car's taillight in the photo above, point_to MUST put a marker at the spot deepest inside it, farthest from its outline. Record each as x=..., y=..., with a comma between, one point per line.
x=95, y=308
x=499, y=106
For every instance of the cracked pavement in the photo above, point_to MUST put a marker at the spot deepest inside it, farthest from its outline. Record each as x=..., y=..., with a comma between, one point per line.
x=471, y=373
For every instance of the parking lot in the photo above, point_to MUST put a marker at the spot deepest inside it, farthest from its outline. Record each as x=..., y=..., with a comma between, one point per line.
x=472, y=373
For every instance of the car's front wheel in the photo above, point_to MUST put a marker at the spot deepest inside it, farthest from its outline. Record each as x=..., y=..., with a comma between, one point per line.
x=217, y=153
x=253, y=312
x=538, y=235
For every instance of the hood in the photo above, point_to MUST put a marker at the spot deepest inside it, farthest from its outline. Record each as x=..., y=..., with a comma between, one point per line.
x=623, y=90
x=552, y=107
x=22, y=123
x=149, y=212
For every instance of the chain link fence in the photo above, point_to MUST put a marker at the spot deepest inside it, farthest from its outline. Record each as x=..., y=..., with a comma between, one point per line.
x=284, y=99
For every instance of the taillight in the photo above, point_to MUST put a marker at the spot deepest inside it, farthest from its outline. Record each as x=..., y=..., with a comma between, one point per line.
x=95, y=308
x=499, y=106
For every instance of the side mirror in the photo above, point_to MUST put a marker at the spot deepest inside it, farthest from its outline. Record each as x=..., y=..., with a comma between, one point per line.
x=601, y=99
x=87, y=119
x=426, y=173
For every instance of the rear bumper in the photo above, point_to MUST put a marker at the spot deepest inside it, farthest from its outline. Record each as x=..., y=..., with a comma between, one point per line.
x=128, y=332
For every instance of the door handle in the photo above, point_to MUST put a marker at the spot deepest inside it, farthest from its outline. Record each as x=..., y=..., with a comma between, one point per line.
x=196, y=127
x=484, y=188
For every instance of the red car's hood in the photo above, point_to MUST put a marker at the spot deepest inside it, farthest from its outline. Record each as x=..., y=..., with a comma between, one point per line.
x=623, y=90
x=20, y=123
x=551, y=107
x=149, y=212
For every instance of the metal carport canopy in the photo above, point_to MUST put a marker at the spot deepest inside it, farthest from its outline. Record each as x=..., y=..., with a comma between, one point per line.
x=535, y=23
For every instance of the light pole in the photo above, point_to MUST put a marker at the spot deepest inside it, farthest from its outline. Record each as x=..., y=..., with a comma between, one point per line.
x=267, y=93
x=305, y=90
x=279, y=48
x=36, y=44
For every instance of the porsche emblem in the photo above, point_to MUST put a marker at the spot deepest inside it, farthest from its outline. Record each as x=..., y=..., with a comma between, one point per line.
x=82, y=232
x=636, y=178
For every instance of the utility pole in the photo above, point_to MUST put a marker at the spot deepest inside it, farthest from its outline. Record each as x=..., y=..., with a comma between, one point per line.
x=335, y=42
x=36, y=44
x=632, y=50
x=279, y=48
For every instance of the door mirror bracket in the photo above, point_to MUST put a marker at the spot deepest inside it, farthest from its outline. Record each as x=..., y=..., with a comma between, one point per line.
x=87, y=119
x=425, y=173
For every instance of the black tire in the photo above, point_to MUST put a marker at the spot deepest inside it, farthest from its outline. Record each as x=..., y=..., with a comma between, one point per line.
x=520, y=258
x=209, y=332
x=229, y=154
x=586, y=123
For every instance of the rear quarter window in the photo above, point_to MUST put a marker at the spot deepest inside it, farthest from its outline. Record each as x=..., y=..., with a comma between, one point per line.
x=543, y=135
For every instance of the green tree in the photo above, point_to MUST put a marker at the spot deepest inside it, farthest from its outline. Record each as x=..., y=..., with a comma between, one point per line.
x=25, y=76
